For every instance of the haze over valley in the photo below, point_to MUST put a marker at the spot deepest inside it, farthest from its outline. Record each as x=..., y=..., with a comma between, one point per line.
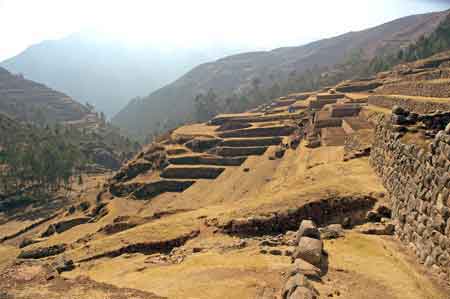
x=225, y=149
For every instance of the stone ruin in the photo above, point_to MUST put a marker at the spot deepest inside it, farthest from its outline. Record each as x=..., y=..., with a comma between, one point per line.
x=333, y=118
x=415, y=171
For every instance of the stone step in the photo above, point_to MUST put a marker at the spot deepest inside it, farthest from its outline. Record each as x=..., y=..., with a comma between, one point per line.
x=248, y=142
x=439, y=88
x=259, y=132
x=238, y=151
x=191, y=172
x=207, y=160
x=220, y=120
x=153, y=189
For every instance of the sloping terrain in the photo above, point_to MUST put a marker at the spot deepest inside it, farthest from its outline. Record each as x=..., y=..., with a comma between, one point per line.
x=236, y=74
x=31, y=110
x=30, y=101
x=92, y=67
x=211, y=211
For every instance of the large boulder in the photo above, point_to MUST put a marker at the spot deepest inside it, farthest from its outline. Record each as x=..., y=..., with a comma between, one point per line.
x=303, y=267
x=308, y=229
x=293, y=283
x=310, y=250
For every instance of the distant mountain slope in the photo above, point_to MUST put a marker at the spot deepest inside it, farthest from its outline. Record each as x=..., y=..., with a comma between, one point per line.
x=96, y=69
x=26, y=100
x=174, y=103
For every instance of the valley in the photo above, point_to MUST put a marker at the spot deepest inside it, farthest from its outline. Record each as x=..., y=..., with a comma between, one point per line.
x=310, y=172
x=219, y=204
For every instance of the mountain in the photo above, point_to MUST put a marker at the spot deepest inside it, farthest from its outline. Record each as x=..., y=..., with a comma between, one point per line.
x=26, y=100
x=174, y=103
x=29, y=109
x=95, y=68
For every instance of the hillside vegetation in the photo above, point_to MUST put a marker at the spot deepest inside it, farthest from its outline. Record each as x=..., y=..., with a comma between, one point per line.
x=41, y=127
x=218, y=209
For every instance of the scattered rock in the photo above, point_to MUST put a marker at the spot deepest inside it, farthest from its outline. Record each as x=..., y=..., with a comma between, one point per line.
x=310, y=250
x=332, y=231
x=275, y=252
x=63, y=265
x=377, y=229
x=308, y=229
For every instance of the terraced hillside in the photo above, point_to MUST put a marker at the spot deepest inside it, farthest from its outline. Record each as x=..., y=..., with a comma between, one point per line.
x=30, y=101
x=279, y=202
x=29, y=109
x=238, y=74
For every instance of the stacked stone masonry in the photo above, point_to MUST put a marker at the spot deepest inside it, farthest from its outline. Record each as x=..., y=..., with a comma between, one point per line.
x=408, y=103
x=418, y=181
x=308, y=259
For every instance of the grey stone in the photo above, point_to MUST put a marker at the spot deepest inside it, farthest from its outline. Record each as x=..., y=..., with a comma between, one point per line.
x=310, y=250
x=332, y=231
x=294, y=282
x=308, y=229
x=302, y=267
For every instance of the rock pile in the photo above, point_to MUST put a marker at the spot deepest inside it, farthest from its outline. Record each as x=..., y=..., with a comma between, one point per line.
x=308, y=260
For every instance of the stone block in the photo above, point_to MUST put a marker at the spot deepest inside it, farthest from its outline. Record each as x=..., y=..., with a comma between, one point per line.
x=310, y=250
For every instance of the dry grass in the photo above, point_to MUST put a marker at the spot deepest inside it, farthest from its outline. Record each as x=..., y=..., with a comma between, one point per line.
x=371, y=267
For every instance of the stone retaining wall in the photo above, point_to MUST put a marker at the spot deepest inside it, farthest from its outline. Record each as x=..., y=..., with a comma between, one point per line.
x=418, y=181
x=408, y=103
x=432, y=88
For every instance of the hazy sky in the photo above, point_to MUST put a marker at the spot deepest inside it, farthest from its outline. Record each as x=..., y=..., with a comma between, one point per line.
x=257, y=24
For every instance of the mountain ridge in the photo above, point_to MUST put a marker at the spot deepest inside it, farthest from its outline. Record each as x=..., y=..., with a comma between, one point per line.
x=173, y=104
x=104, y=71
